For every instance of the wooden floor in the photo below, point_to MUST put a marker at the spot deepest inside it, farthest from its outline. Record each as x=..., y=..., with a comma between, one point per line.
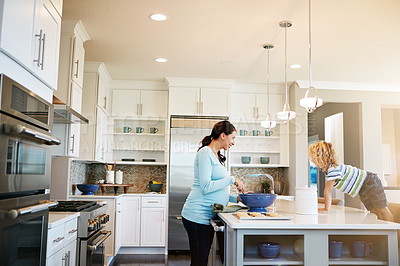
x=151, y=260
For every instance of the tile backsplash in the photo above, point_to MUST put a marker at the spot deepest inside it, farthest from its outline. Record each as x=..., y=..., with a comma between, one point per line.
x=138, y=175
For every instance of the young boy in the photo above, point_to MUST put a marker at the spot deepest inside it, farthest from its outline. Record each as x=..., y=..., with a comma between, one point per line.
x=350, y=180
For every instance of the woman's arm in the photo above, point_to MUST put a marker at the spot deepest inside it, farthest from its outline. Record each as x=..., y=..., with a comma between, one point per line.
x=327, y=196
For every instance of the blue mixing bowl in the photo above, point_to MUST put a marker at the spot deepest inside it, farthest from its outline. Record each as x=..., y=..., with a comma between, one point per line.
x=258, y=202
x=268, y=250
x=87, y=189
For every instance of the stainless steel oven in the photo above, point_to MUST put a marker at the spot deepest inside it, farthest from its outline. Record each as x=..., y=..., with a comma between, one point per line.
x=25, y=139
x=93, y=249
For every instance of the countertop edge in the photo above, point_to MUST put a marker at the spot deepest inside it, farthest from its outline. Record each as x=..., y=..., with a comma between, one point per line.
x=57, y=218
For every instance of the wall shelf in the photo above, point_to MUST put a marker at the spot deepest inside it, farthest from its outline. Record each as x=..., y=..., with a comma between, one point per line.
x=258, y=137
x=139, y=134
x=255, y=152
x=257, y=165
x=137, y=163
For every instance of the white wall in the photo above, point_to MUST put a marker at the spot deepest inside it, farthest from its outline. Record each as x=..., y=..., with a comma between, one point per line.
x=371, y=104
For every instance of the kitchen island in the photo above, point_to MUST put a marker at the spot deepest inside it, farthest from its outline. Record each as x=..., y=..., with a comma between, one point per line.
x=304, y=239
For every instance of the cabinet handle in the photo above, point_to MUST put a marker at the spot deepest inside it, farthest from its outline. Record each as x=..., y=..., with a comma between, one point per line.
x=68, y=255
x=77, y=68
x=64, y=258
x=256, y=112
x=73, y=143
x=40, y=48
x=137, y=109
x=43, y=39
x=163, y=218
x=105, y=102
x=72, y=231
x=153, y=201
x=141, y=109
x=58, y=239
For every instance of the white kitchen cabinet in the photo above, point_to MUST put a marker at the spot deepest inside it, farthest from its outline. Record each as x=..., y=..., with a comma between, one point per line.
x=71, y=66
x=30, y=34
x=254, y=106
x=130, y=222
x=69, y=134
x=118, y=224
x=94, y=139
x=17, y=20
x=199, y=101
x=153, y=227
x=139, y=103
x=47, y=44
x=62, y=243
x=103, y=99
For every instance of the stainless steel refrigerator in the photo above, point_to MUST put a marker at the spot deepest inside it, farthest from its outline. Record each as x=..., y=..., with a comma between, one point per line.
x=186, y=132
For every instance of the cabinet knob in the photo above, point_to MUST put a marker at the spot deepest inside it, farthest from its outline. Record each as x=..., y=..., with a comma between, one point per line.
x=77, y=68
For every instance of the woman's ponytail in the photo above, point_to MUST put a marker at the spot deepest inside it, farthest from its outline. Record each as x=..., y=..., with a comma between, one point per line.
x=205, y=142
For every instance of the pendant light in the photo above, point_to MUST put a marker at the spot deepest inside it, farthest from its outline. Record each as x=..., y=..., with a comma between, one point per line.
x=268, y=123
x=286, y=114
x=310, y=103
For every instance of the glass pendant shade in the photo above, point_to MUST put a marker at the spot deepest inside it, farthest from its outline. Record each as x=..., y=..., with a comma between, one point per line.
x=286, y=114
x=268, y=123
x=311, y=103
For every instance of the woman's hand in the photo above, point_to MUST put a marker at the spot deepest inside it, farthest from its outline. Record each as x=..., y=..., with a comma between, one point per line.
x=239, y=185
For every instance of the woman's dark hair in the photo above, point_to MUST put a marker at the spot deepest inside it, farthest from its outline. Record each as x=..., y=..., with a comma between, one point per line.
x=219, y=128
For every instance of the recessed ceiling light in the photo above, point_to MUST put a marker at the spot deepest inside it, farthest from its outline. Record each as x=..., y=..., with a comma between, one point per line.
x=158, y=17
x=295, y=66
x=161, y=60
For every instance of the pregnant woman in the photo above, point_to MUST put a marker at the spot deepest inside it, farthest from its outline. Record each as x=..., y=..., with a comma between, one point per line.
x=211, y=185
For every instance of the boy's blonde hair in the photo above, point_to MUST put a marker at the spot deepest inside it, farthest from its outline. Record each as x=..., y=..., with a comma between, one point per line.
x=322, y=154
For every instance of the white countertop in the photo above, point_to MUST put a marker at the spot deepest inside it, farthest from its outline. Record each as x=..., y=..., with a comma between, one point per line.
x=57, y=218
x=112, y=196
x=339, y=217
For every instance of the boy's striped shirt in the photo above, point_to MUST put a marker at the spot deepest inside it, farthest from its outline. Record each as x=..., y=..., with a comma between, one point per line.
x=349, y=179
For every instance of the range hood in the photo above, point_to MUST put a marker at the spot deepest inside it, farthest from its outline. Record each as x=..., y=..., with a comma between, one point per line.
x=64, y=114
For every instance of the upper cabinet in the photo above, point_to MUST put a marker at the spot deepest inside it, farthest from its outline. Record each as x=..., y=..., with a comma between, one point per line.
x=254, y=106
x=139, y=103
x=30, y=34
x=205, y=97
x=71, y=68
x=199, y=101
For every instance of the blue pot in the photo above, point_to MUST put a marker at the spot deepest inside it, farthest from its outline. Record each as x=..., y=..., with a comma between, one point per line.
x=87, y=189
x=257, y=201
x=268, y=250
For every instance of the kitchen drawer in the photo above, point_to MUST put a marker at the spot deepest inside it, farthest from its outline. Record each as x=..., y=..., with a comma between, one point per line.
x=55, y=239
x=154, y=202
x=71, y=231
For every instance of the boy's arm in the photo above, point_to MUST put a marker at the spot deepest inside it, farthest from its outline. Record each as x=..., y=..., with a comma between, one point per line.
x=327, y=196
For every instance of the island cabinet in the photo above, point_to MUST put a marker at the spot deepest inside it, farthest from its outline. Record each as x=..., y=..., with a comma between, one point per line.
x=304, y=239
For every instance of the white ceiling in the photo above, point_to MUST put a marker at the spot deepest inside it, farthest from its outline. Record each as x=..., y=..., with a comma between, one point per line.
x=353, y=40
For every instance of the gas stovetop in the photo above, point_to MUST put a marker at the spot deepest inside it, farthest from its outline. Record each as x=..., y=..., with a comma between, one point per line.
x=73, y=206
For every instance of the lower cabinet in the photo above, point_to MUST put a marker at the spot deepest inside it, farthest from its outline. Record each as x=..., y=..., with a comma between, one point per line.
x=143, y=221
x=61, y=244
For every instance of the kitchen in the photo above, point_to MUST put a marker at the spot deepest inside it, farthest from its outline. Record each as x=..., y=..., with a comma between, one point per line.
x=122, y=101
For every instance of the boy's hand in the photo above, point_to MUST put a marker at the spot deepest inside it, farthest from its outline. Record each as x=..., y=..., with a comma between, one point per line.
x=322, y=210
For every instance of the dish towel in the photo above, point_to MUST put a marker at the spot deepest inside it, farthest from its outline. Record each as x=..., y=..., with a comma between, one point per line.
x=218, y=207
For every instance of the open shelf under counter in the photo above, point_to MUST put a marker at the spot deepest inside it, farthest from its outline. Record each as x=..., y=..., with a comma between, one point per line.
x=137, y=163
x=346, y=259
x=282, y=259
x=241, y=165
x=255, y=151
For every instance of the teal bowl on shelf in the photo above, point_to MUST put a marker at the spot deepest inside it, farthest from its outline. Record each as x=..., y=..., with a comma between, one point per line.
x=264, y=160
x=246, y=159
